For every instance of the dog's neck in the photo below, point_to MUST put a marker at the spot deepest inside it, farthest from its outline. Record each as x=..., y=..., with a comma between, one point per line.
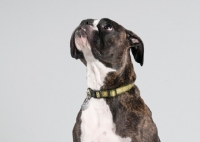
x=123, y=76
x=100, y=77
x=96, y=72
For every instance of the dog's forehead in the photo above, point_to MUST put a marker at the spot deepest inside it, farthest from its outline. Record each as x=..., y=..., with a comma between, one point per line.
x=96, y=22
x=102, y=21
x=114, y=24
x=106, y=20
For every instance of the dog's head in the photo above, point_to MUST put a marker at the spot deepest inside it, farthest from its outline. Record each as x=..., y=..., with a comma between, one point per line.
x=107, y=41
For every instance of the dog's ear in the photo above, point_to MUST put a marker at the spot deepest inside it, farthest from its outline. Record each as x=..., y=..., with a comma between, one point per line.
x=137, y=47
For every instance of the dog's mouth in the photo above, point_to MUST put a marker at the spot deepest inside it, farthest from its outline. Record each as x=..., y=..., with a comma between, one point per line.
x=81, y=39
x=80, y=33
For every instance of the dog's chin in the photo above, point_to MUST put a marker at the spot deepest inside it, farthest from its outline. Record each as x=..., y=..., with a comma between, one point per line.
x=81, y=40
x=82, y=43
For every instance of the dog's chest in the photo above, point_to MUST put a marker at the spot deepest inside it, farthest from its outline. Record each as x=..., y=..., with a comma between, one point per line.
x=97, y=123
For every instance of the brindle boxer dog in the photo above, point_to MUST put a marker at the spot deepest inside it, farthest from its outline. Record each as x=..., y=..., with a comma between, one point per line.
x=113, y=110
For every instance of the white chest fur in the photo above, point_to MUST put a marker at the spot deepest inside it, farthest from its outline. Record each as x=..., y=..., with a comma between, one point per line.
x=97, y=123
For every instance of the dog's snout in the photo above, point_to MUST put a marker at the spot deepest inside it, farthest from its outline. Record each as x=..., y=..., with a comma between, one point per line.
x=87, y=22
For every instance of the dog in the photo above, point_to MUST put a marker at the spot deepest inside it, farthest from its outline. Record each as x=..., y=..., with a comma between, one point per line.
x=113, y=110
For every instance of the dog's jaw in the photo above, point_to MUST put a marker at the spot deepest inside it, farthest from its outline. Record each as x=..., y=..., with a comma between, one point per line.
x=96, y=71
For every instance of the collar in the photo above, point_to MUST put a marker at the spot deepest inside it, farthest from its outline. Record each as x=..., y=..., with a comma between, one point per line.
x=109, y=93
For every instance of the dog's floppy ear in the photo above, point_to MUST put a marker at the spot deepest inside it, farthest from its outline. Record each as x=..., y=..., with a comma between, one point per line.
x=137, y=47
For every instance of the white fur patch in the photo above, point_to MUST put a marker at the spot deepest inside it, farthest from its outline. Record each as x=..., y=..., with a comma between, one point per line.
x=95, y=23
x=97, y=123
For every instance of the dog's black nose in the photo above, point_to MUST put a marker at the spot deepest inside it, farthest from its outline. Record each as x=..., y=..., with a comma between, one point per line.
x=87, y=22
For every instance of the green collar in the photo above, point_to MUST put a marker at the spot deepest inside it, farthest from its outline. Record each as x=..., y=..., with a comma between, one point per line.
x=109, y=93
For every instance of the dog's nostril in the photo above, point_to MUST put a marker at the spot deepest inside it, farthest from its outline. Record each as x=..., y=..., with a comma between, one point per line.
x=89, y=22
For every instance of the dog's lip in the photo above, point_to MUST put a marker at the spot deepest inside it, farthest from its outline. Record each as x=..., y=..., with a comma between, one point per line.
x=80, y=32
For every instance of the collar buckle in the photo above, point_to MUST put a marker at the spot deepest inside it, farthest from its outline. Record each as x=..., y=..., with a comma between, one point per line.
x=89, y=92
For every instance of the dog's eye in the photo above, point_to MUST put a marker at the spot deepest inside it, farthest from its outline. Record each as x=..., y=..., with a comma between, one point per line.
x=108, y=27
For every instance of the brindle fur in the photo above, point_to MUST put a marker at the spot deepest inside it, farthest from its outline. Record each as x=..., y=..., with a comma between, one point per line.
x=130, y=114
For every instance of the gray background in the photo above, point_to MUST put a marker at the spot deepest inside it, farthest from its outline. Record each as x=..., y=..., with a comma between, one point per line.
x=42, y=87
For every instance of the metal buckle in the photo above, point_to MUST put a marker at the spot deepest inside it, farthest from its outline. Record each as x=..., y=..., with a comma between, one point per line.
x=88, y=92
x=85, y=103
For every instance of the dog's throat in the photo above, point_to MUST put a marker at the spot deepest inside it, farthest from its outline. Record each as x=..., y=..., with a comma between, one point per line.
x=96, y=70
x=96, y=73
